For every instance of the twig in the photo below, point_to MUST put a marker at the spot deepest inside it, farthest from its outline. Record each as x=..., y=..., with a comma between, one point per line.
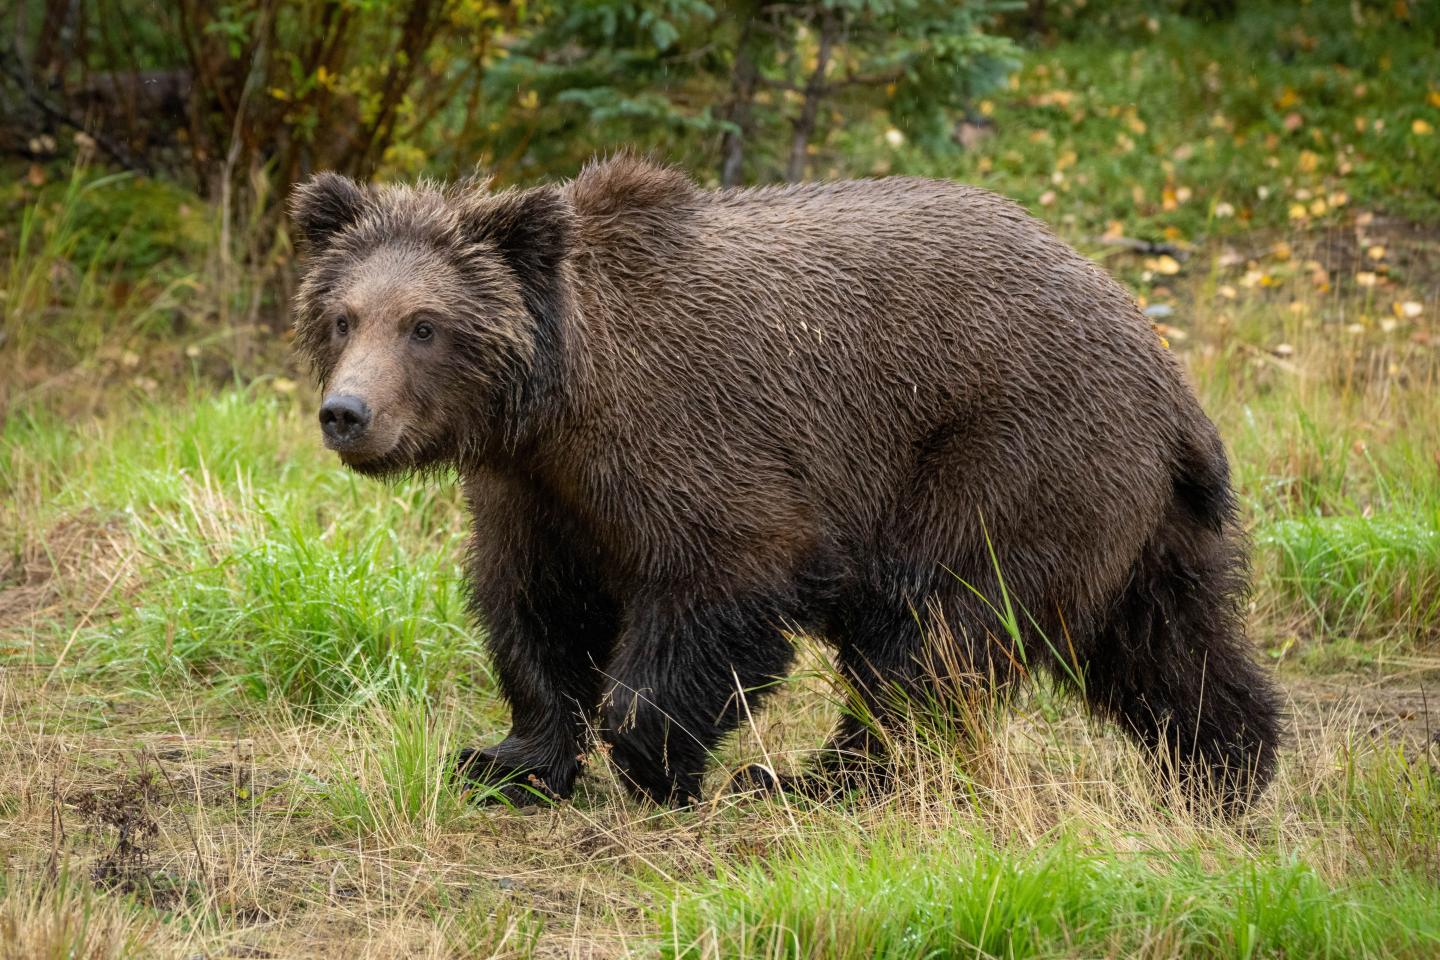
x=175, y=795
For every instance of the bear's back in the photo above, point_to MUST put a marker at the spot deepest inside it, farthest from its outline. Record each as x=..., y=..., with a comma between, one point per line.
x=896, y=355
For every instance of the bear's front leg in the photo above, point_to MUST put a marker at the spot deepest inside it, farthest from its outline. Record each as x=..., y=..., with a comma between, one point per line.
x=549, y=630
x=681, y=678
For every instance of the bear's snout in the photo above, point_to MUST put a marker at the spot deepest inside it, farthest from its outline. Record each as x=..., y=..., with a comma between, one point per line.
x=344, y=419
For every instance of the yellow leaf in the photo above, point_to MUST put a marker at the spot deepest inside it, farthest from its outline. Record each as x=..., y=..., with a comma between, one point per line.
x=1421, y=128
x=1376, y=252
x=1164, y=264
x=1297, y=211
x=1433, y=98
x=279, y=94
x=1309, y=160
x=1366, y=279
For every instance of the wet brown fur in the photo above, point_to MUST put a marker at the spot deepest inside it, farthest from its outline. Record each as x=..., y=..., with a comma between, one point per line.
x=687, y=421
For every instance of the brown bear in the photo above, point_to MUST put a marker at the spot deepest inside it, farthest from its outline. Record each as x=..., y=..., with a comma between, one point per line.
x=691, y=424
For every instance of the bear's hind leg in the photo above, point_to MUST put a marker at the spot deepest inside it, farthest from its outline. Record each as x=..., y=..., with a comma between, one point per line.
x=1172, y=665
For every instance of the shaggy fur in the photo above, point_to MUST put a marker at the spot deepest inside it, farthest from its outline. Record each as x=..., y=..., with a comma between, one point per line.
x=688, y=422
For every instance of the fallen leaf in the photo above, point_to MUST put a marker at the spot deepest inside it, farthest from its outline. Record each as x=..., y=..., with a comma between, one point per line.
x=1421, y=128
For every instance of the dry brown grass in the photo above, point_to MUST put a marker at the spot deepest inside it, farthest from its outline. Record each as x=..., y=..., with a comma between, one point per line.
x=227, y=835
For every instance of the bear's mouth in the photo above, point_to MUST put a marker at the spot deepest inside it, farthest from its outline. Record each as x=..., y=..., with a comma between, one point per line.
x=365, y=459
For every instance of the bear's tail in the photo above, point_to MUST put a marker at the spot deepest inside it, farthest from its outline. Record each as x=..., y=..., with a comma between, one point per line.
x=1172, y=663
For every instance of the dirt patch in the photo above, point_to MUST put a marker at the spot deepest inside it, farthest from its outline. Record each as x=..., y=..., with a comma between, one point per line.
x=1402, y=708
x=74, y=566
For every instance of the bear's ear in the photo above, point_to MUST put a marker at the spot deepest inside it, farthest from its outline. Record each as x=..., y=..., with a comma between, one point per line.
x=323, y=206
x=531, y=230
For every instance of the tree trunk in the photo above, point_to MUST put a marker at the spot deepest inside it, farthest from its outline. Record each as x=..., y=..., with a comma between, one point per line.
x=743, y=79
x=815, y=91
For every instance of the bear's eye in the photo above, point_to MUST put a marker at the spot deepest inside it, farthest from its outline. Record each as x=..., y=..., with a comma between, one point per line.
x=342, y=325
x=423, y=331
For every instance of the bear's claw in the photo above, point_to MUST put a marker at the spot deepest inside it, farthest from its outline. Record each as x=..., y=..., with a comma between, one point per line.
x=490, y=781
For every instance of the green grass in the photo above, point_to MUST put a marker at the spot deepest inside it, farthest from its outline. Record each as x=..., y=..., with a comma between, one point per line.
x=908, y=893
x=98, y=260
x=260, y=566
x=1373, y=577
x=318, y=619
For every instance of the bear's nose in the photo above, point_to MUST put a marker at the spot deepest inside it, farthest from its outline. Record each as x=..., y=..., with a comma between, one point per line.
x=343, y=418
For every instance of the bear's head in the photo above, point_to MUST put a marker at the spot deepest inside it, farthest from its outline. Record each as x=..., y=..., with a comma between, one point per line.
x=429, y=314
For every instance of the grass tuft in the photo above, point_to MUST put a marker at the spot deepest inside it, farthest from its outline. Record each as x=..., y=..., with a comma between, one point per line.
x=395, y=781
